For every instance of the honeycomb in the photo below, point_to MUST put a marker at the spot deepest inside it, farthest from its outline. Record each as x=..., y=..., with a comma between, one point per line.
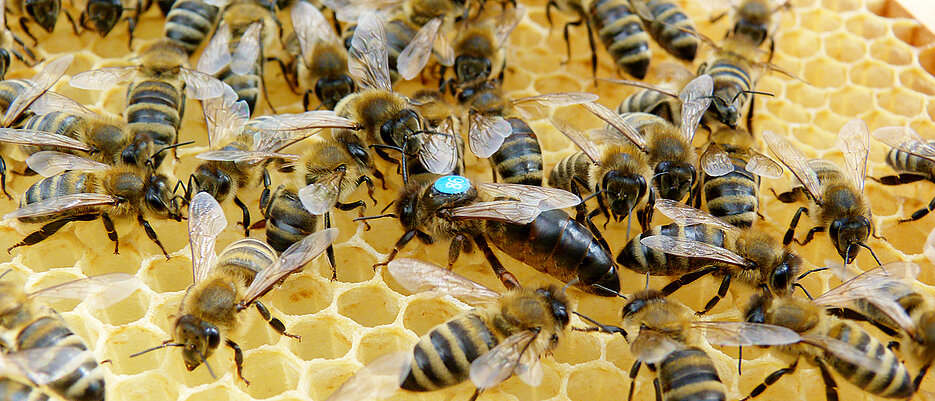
x=867, y=59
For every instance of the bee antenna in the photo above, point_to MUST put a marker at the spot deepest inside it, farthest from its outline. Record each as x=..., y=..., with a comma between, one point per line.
x=598, y=286
x=601, y=327
x=380, y=216
x=5, y=273
x=164, y=345
x=752, y=93
x=165, y=148
x=205, y=361
x=863, y=245
x=801, y=276
x=569, y=284
x=388, y=206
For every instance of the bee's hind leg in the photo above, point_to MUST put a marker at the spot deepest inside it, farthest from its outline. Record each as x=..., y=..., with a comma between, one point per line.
x=51, y=228
x=275, y=323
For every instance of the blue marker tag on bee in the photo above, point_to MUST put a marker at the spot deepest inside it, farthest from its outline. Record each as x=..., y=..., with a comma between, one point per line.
x=452, y=184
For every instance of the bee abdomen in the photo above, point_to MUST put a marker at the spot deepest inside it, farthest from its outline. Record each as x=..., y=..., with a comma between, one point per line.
x=246, y=86
x=622, y=34
x=287, y=221
x=519, y=159
x=443, y=356
x=85, y=380
x=671, y=29
x=67, y=183
x=154, y=107
x=906, y=162
x=690, y=375
x=15, y=391
x=641, y=259
x=888, y=378
x=650, y=101
x=574, y=165
x=733, y=197
x=56, y=122
x=9, y=90
x=245, y=256
x=188, y=23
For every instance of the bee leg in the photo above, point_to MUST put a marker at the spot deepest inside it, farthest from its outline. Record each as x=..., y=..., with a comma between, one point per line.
x=686, y=279
x=810, y=235
x=3, y=178
x=831, y=388
x=288, y=75
x=51, y=228
x=594, y=231
x=476, y=394
x=74, y=27
x=366, y=180
x=306, y=99
x=275, y=323
x=548, y=13
x=721, y=292
x=657, y=388
x=400, y=244
x=567, y=41
x=894, y=346
x=850, y=314
x=787, y=239
x=330, y=250
x=359, y=205
x=28, y=52
x=898, y=179
x=645, y=216
x=772, y=378
x=111, y=232
x=238, y=359
x=580, y=209
x=263, y=85
x=603, y=208
x=917, y=381
x=634, y=371
x=789, y=196
x=151, y=234
x=454, y=249
x=378, y=175
x=246, y=216
x=23, y=24
x=918, y=214
x=508, y=279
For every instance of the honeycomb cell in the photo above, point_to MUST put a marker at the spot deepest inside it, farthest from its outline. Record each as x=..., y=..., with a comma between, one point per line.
x=806, y=96
x=322, y=337
x=820, y=20
x=66, y=256
x=128, y=340
x=270, y=373
x=598, y=381
x=825, y=73
x=871, y=74
x=151, y=385
x=126, y=311
x=526, y=36
x=557, y=83
x=551, y=386
x=423, y=314
x=845, y=48
x=887, y=9
x=850, y=102
x=215, y=393
x=382, y=341
x=865, y=26
x=787, y=111
x=352, y=266
x=575, y=350
x=302, y=294
x=890, y=51
x=107, y=262
x=168, y=275
x=912, y=33
x=901, y=102
x=369, y=306
x=798, y=44
x=840, y=5
x=918, y=81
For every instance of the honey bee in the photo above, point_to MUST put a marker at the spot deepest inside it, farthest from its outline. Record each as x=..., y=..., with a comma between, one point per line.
x=731, y=180
x=8, y=42
x=188, y=22
x=155, y=100
x=78, y=189
x=753, y=19
x=836, y=199
x=698, y=244
x=227, y=284
x=36, y=339
x=478, y=51
x=42, y=12
x=22, y=378
x=668, y=148
x=669, y=27
x=319, y=58
x=912, y=157
x=102, y=15
x=444, y=153
x=662, y=99
x=505, y=334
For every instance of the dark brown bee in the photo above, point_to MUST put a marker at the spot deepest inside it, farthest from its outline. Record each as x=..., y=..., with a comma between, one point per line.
x=912, y=157
x=505, y=334
x=42, y=12
x=319, y=63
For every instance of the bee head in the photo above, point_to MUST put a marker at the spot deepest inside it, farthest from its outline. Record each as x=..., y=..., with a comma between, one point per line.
x=848, y=234
x=757, y=307
x=101, y=15
x=199, y=339
x=45, y=12
x=782, y=277
x=401, y=130
x=355, y=147
x=622, y=191
x=641, y=300
x=557, y=301
x=161, y=199
x=674, y=180
x=728, y=112
x=138, y=151
x=210, y=179
x=331, y=90
x=469, y=68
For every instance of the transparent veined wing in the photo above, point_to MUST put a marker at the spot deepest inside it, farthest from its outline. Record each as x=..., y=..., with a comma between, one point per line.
x=505, y=211
x=685, y=215
x=419, y=276
x=579, y=138
x=51, y=101
x=311, y=27
x=763, y=166
x=413, y=58
x=352, y=10
x=545, y=198
x=439, y=153
x=225, y=117
x=854, y=142
x=49, y=163
x=102, y=78
x=793, y=158
x=536, y=107
x=217, y=53
x=651, y=346
x=321, y=196
x=292, y=259
x=509, y=19
x=41, y=82
x=746, y=334
x=40, y=138
x=906, y=140
x=617, y=122
x=250, y=157
x=98, y=292
x=500, y=362
x=205, y=222
x=691, y=249
x=643, y=85
x=378, y=380
x=247, y=54
x=367, y=58
x=60, y=204
x=874, y=286
x=201, y=86
x=845, y=352
x=308, y=120
x=444, y=53
x=486, y=134
x=715, y=162
x=695, y=97
x=642, y=10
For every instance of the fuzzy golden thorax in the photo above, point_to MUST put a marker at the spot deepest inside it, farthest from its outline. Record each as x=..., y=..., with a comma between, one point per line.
x=770, y=263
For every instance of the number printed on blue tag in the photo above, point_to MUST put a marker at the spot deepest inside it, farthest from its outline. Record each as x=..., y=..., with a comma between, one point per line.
x=452, y=184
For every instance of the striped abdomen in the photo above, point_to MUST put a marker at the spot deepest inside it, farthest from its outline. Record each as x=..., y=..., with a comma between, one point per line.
x=287, y=221
x=730, y=79
x=67, y=183
x=888, y=378
x=903, y=293
x=398, y=35
x=85, y=380
x=641, y=259
x=622, y=34
x=57, y=122
x=519, y=159
x=154, y=109
x=733, y=197
x=443, y=356
x=12, y=390
x=247, y=86
x=653, y=102
x=9, y=90
x=556, y=244
x=245, y=258
x=690, y=375
x=574, y=165
x=904, y=162
x=671, y=29
x=189, y=22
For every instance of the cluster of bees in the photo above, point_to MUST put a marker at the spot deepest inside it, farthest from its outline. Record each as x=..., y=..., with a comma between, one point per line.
x=642, y=161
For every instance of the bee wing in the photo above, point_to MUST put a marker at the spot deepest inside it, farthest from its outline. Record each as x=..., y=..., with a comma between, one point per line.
x=534, y=107
x=32, y=137
x=40, y=366
x=249, y=157
x=715, y=162
x=217, y=53
x=201, y=86
x=378, y=380
x=929, y=248
x=651, y=346
x=367, y=58
x=763, y=166
x=225, y=117
x=102, y=78
x=420, y=276
x=292, y=259
x=545, y=198
x=746, y=334
x=311, y=27
x=49, y=163
x=643, y=85
x=793, y=158
x=486, y=134
x=51, y=101
x=41, y=82
x=844, y=351
x=506, y=211
x=872, y=286
x=247, y=52
x=98, y=291
x=695, y=97
x=439, y=153
x=503, y=361
x=906, y=140
x=320, y=197
x=444, y=52
x=691, y=249
x=508, y=22
x=416, y=54
x=579, y=138
x=205, y=222
x=614, y=119
x=59, y=204
x=854, y=141
x=309, y=120
x=685, y=215
x=352, y=10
